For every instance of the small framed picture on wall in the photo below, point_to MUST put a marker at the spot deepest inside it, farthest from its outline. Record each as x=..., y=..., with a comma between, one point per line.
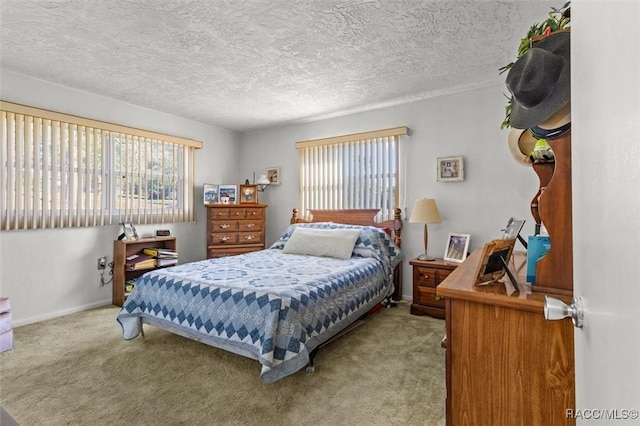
x=450, y=169
x=273, y=174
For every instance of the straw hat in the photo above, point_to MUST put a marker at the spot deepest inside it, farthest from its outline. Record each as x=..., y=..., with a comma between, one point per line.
x=521, y=143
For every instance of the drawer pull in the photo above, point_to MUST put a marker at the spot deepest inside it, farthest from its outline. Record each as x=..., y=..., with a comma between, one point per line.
x=249, y=237
x=224, y=225
x=437, y=298
x=250, y=225
x=426, y=277
x=253, y=213
x=224, y=239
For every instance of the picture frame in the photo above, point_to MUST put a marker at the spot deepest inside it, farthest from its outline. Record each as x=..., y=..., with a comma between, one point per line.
x=210, y=193
x=494, y=260
x=227, y=194
x=513, y=228
x=273, y=174
x=450, y=169
x=248, y=194
x=129, y=230
x=457, y=247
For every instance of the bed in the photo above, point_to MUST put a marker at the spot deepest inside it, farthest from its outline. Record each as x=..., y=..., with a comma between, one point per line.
x=277, y=305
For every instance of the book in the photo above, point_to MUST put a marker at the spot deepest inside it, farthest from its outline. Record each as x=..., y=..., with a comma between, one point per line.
x=166, y=261
x=139, y=261
x=160, y=252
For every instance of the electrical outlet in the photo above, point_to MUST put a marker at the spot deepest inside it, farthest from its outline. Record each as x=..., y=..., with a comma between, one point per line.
x=102, y=263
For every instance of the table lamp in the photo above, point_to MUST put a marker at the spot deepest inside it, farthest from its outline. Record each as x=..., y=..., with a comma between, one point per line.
x=425, y=210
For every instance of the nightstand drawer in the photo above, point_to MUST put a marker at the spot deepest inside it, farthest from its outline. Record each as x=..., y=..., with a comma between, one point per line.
x=427, y=296
x=425, y=276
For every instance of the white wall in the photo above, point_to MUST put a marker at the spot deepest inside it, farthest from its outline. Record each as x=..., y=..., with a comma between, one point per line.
x=468, y=124
x=47, y=273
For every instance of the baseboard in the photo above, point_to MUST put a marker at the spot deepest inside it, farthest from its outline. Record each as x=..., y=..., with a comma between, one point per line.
x=61, y=313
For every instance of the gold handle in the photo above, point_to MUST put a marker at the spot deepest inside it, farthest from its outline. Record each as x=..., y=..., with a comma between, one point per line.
x=437, y=298
x=253, y=213
x=223, y=239
x=249, y=237
x=224, y=225
x=426, y=277
x=251, y=225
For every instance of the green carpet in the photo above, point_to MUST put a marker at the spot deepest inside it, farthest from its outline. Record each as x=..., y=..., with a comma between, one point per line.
x=78, y=370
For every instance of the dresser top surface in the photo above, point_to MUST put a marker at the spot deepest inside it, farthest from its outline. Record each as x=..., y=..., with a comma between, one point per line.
x=460, y=284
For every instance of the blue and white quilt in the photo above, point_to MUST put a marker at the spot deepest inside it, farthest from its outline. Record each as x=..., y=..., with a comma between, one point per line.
x=266, y=305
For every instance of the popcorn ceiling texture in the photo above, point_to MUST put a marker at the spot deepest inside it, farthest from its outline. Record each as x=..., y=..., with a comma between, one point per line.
x=249, y=64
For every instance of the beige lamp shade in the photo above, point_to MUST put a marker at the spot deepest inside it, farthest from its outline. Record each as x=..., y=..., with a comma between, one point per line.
x=425, y=210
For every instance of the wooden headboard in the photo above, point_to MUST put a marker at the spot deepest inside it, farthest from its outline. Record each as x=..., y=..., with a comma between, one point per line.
x=362, y=217
x=355, y=217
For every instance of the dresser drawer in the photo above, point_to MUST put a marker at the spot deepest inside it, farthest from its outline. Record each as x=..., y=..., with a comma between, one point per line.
x=224, y=225
x=425, y=276
x=249, y=237
x=222, y=251
x=218, y=213
x=223, y=238
x=250, y=225
x=254, y=213
x=427, y=296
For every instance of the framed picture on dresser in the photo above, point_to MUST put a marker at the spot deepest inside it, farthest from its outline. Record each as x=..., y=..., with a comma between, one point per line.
x=210, y=193
x=248, y=194
x=227, y=194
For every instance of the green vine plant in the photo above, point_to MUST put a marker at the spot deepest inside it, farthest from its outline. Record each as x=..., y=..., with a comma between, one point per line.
x=559, y=19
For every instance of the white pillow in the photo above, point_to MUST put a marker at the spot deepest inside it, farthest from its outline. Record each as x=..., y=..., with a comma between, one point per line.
x=336, y=243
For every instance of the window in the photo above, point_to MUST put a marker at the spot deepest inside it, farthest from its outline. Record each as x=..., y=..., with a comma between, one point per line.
x=61, y=171
x=358, y=171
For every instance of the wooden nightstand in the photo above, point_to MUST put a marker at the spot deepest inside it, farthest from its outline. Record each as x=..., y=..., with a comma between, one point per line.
x=427, y=274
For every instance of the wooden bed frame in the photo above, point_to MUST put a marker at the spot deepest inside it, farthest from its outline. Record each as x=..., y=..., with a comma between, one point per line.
x=362, y=217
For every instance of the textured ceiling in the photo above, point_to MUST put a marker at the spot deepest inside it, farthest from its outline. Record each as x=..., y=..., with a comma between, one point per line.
x=249, y=64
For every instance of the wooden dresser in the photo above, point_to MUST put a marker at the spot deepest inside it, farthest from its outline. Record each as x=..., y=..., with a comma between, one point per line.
x=427, y=274
x=235, y=229
x=505, y=364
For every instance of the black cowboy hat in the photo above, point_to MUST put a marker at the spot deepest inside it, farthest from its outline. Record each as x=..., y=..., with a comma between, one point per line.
x=540, y=81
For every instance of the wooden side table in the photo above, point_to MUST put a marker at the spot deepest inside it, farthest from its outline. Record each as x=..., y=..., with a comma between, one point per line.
x=427, y=274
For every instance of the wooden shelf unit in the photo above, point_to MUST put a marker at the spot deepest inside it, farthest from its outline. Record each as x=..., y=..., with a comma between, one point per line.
x=552, y=207
x=124, y=248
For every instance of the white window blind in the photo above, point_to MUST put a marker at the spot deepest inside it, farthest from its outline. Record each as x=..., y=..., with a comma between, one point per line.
x=60, y=171
x=358, y=171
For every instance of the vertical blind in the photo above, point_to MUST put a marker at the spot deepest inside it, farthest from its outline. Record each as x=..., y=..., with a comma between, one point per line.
x=358, y=171
x=60, y=171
